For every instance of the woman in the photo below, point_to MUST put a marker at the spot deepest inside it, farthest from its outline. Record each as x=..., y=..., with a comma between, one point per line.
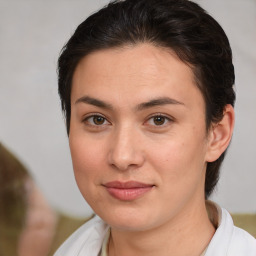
x=147, y=90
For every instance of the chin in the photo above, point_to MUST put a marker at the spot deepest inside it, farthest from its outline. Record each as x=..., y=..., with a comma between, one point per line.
x=127, y=219
x=131, y=225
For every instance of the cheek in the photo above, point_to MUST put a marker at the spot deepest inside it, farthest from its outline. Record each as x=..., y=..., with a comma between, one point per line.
x=181, y=171
x=88, y=167
x=180, y=160
x=87, y=161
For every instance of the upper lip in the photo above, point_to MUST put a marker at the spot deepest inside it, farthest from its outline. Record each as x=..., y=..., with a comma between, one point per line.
x=127, y=184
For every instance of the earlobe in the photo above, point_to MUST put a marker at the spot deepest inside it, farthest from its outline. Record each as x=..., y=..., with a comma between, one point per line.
x=220, y=135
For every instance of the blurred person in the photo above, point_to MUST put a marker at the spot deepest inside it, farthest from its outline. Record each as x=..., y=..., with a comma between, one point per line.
x=28, y=224
x=146, y=87
x=13, y=203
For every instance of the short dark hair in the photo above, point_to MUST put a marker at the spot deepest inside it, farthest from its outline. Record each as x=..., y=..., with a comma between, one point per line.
x=180, y=25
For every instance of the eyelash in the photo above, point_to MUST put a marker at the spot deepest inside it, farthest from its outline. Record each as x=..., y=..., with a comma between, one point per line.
x=92, y=116
x=167, y=119
x=92, y=123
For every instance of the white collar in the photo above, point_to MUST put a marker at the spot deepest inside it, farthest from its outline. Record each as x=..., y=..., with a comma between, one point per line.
x=227, y=240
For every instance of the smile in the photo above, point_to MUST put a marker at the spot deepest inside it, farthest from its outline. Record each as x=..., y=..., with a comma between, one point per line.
x=127, y=191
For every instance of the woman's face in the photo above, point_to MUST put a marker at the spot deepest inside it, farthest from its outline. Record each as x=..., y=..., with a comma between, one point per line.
x=137, y=136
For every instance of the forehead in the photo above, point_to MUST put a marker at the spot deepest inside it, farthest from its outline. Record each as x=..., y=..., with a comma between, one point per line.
x=147, y=69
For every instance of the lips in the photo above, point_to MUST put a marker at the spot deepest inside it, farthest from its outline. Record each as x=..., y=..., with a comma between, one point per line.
x=127, y=191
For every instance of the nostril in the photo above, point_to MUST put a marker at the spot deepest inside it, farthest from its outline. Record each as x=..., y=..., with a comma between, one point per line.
x=125, y=161
x=125, y=152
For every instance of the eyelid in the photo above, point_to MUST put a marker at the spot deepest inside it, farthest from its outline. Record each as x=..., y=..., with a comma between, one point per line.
x=167, y=117
x=91, y=115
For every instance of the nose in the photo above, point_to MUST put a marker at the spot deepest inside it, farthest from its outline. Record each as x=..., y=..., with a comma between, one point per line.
x=125, y=150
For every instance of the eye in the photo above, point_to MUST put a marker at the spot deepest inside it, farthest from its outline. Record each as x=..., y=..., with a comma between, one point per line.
x=96, y=120
x=158, y=120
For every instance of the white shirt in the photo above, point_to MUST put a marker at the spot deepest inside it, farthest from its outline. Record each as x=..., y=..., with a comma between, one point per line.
x=228, y=240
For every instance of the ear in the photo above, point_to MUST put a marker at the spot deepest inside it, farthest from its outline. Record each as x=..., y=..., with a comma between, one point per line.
x=220, y=135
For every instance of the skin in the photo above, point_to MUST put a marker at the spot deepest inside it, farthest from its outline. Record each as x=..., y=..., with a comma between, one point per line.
x=127, y=143
x=39, y=230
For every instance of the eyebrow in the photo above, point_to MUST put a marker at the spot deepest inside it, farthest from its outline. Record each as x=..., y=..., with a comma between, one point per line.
x=94, y=102
x=158, y=102
x=145, y=105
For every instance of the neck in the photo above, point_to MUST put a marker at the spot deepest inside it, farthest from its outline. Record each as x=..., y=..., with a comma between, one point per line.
x=179, y=236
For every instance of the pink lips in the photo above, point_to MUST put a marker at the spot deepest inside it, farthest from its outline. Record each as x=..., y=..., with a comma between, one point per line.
x=127, y=191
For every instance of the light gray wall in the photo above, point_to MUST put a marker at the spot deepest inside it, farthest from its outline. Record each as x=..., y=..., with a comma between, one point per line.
x=31, y=124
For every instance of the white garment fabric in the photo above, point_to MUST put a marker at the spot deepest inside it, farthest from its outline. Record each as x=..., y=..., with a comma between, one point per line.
x=228, y=240
x=104, y=249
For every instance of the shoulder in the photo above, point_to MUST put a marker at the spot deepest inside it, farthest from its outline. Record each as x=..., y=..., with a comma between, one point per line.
x=86, y=240
x=242, y=243
x=229, y=240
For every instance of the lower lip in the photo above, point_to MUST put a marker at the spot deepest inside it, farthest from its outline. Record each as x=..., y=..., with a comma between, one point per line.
x=128, y=194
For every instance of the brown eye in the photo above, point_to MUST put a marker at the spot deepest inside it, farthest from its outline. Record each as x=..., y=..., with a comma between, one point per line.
x=98, y=120
x=159, y=120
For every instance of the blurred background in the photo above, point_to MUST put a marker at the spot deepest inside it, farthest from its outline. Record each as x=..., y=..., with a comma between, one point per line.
x=32, y=34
